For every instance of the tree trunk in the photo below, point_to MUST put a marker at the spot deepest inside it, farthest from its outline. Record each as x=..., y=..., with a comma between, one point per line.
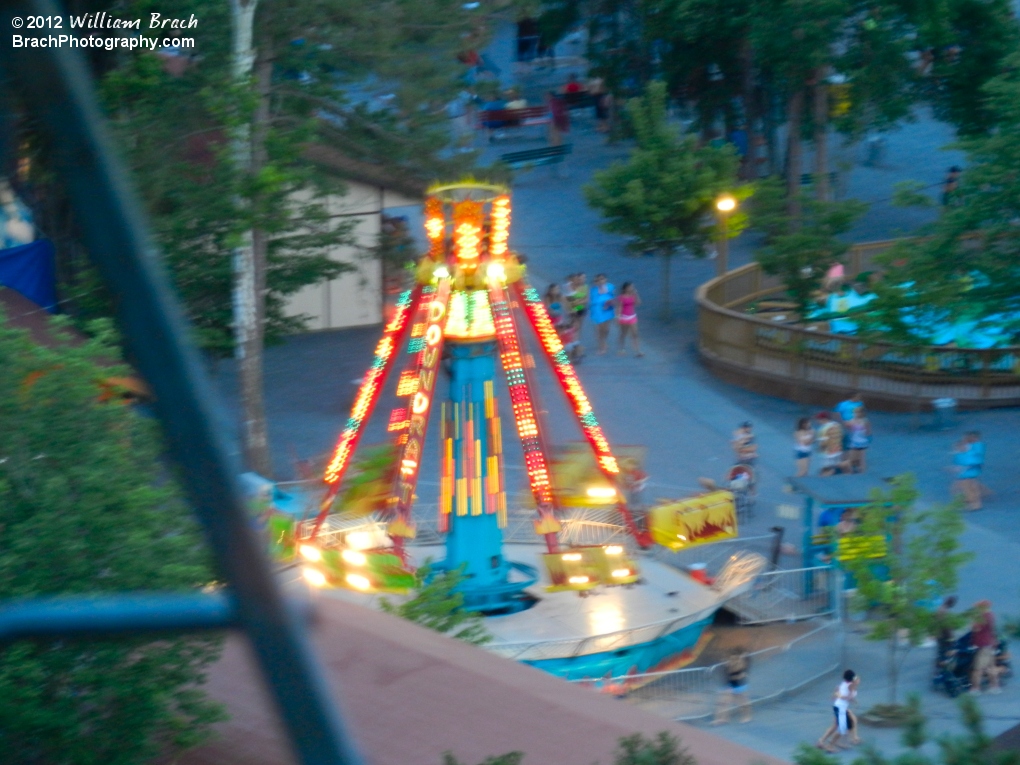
x=749, y=172
x=794, y=162
x=249, y=257
x=821, y=125
x=667, y=267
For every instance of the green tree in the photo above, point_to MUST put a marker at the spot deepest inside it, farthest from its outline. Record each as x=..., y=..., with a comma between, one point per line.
x=966, y=268
x=87, y=506
x=801, y=251
x=664, y=749
x=510, y=758
x=438, y=605
x=663, y=196
x=909, y=559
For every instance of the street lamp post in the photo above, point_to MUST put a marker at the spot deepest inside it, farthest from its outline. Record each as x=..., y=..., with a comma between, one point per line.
x=724, y=205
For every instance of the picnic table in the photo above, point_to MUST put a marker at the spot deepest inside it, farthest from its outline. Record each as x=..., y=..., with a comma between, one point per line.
x=545, y=155
x=502, y=119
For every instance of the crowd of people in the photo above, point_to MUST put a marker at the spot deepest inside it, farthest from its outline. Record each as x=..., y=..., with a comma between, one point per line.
x=571, y=304
x=841, y=438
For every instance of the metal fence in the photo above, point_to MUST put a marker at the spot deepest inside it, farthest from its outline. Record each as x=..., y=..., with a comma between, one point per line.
x=795, y=362
x=695, y=693
x=788, y=596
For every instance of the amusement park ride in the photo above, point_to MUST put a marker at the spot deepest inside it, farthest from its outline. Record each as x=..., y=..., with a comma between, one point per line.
x=463, y=317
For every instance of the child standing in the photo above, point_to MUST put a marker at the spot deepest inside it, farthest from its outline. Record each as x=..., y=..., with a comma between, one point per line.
x=627, y=305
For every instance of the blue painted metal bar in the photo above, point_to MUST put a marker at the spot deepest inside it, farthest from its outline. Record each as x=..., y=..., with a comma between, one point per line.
x=101, y=615
x=53, y=83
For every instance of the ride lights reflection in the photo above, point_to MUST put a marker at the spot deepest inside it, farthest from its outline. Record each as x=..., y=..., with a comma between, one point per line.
x=353, y=557
x=310, y=552
x=579, y=580
x=619, y=573
x=314, y=577
x=358, y=582
x=601, y=492
x=572, y=557
x=614, y=550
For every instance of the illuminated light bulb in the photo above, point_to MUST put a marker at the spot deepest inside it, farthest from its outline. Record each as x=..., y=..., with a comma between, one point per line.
x=441, y=273
x=358, y=582
x=726, y=204
x=681, y=536
x=572, y=556
x=310, y=552
x=619, y=573
x=614, y=550
x=496, y=271
x=578, y=580
x=359, y=540
x=314, y=577
x=354, y=557
x=601, y=492
x=434, y=227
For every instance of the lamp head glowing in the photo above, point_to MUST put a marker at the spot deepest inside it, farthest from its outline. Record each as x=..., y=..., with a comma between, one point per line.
x=496, y=271
x=354, y=557
x=726, y=204
x=358, y=582
x=441, y=272
x=578, y=580
x=314, y=577
x=310, y=552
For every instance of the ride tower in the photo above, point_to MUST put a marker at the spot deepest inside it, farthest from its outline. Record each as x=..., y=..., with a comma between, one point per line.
x=462, y=316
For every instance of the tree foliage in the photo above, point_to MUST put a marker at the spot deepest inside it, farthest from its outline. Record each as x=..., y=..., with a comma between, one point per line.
x=968, y=265
x=919, y=564
x=86, y=506
x=663, y=196
x=664, y=749
x=801, y=251
x=438, y=605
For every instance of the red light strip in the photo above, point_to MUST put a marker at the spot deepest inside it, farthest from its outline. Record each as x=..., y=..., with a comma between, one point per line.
x=534, y=309
x=535, y=460
x=364, y=402
x=421, y=405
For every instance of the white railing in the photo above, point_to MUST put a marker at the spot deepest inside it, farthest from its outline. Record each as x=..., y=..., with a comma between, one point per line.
x=694, y=693
x=788, y=595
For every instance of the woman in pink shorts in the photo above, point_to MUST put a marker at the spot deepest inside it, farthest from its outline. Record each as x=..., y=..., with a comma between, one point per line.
x=626, y=317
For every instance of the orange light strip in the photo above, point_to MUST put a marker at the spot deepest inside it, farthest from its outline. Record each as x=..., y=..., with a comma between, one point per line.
x=535, y=461
x=500, y=227
x=467, y=231
x=435, y=227
x=368, y=395
x=421, y=403
x=534, y=309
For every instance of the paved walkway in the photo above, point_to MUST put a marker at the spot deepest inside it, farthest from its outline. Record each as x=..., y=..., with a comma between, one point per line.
x=684, y=416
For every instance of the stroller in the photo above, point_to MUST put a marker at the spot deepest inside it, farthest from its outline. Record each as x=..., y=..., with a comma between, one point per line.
x=954, y=664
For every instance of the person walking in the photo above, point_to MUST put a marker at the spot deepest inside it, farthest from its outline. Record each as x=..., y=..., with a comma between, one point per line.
x=803, y=440
x=602, y=309
x=983, y=638
x=627, y=305
x=553, y=300
x=950, y=186
x=576, y=293
x=559, y=119
x=745, y=448
x=969, y=460
x=843, y=724
x=735, y=696
x=830, y=442
x=858, y=439
x=849, y=405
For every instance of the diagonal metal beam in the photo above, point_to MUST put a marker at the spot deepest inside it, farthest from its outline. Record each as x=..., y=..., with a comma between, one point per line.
x=54, y=84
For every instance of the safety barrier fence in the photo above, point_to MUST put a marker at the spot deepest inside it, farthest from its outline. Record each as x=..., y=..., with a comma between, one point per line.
x=696, y=692
x=795, y=362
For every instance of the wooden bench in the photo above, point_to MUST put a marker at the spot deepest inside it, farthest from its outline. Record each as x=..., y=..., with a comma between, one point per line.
x=503, y=119
x=808, y=179
x=546, y=155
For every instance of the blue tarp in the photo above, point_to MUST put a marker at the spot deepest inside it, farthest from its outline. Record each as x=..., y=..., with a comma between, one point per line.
x=31, y=270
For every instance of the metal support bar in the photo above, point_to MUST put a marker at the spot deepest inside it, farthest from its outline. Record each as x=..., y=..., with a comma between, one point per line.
x=104, y=615
x=54, y=85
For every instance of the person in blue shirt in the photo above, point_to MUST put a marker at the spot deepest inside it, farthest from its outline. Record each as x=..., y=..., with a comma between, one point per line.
x=601, y=308
x=969, y=460
x=847, y=407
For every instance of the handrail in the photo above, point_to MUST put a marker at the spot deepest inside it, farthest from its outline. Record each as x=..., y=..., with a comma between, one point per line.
x=795, y=362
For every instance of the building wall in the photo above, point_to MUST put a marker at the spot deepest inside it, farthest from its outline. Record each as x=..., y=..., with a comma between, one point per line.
x=354, y=299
